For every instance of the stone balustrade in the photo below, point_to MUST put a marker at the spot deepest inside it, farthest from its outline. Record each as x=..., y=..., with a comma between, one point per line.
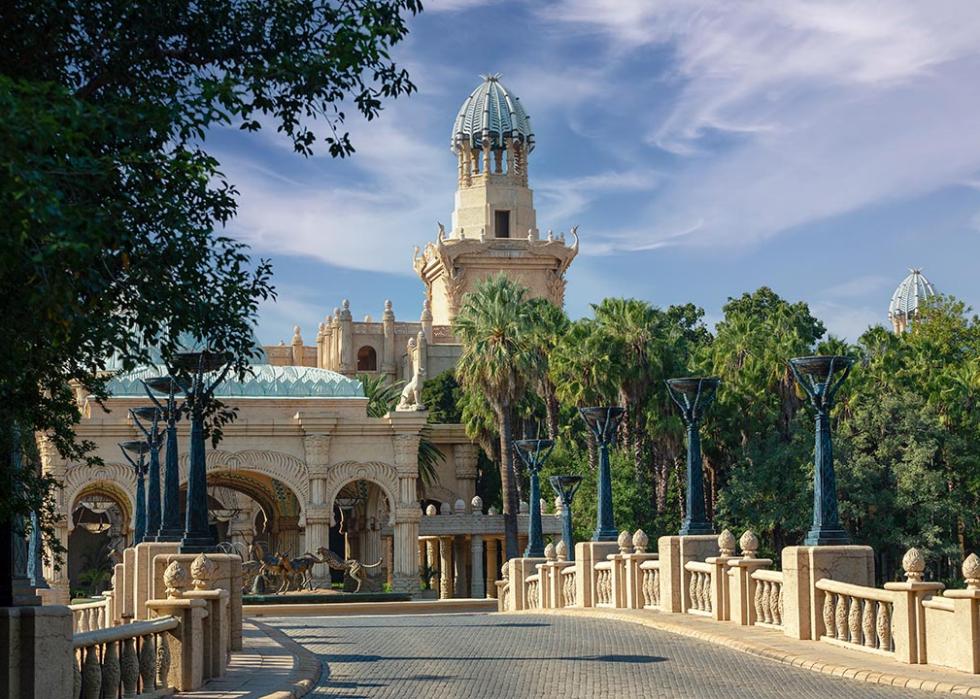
x=821, y=593
x=132, y=660
x=767, y=597
x=91, y=616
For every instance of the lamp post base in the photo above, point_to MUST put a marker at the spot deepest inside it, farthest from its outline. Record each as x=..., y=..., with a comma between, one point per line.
x=695, y=528
x=167, y=535
x=605, y=534
x=198, y=544
x=827, y=537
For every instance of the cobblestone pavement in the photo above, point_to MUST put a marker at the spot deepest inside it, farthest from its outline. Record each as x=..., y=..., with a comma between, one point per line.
x=503, y=657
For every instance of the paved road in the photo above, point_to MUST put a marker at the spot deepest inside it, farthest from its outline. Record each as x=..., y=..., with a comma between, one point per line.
x=504, y=657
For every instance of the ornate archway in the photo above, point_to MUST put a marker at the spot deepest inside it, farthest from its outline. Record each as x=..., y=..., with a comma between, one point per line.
x=383, y=475
x=283, y=467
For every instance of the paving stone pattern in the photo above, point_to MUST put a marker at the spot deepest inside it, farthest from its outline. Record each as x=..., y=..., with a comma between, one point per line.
x=500, y=657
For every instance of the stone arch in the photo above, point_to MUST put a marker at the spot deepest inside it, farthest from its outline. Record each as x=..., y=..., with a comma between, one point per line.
x=287, y=469
x=367, y=358
x=385, y=476
x=441, y=494
x=114, y=479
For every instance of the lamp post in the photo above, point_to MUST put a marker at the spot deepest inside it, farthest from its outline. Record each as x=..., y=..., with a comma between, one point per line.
x=821, y=377
x=152, y=433
x=170, y=527
x=603, y=423
x=534, y=452
x=194, y=365
x=565, y=486
x=140, y=449
x=693, y=395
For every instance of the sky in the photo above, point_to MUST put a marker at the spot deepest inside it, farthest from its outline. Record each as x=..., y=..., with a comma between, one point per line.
x=704, y=149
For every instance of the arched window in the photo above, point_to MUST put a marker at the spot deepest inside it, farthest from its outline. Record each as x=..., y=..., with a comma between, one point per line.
x=367, y=359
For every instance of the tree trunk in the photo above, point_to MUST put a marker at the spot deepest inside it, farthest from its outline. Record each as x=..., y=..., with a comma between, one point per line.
x=592, y=448
x=551, y=410
x=507, y=482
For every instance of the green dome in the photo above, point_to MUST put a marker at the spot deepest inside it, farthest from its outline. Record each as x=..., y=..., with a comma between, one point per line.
x=265, y=380
x=491, y=112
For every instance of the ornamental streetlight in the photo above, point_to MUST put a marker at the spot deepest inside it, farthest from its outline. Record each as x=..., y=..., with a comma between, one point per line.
x=565, y=486
x=153, y=434
x=140, y=449
x=821, y=377
x=170, y=528
x=534, y=452
x=693, y=395
x=603, y=423
x=193, y=366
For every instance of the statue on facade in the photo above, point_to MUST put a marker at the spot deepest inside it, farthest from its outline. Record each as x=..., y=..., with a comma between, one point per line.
x=411, y=398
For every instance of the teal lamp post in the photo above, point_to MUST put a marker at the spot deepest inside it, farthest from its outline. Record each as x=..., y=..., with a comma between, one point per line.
x=565, y=486
x=152, y=415
x=170, y=528
x=534, y=452
x=821, y=377
x=194, y=380
x=603, y=422
x=693, y=395
x=139, y=448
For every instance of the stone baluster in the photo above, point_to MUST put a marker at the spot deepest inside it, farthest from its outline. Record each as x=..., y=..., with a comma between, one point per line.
x=111, y=673
x=147, y=661
x=91, y=674
x=130, y=669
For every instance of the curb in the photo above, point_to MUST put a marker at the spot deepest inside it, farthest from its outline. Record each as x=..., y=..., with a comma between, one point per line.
x=892, y=679
x=308, y=665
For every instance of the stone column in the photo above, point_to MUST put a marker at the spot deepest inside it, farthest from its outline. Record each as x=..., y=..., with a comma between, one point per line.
x=346, y=344
x=388, y=348
x=432, y=560
x=186, y=641
x=492, y=567
x=316, y=447
x=37, y=652
x=465, y=457
x=445, y=567
x=476, y=566
x=405, y=577
x=297, y=347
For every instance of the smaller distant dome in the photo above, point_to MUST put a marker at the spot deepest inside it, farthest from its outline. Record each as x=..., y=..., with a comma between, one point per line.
x=909, y=295
x=491, y=111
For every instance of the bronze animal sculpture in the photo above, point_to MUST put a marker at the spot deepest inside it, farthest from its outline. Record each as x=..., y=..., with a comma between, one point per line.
x=351, y=566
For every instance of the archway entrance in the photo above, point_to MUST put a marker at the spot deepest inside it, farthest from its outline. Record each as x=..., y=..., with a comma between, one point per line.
x=361, y=509
x=253, y=512
x=100, y=530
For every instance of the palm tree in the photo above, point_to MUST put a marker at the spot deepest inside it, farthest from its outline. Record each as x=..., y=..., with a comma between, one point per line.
x=498, y=359
x=549, y=325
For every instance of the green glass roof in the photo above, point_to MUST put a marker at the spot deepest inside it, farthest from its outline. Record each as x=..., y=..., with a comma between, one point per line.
x=266, y=380
x=491, y=112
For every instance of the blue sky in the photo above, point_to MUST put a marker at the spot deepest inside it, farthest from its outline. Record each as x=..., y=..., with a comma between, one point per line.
x=704, y=150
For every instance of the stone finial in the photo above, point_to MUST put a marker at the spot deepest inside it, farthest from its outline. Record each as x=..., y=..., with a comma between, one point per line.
x=491, y=510
x=345, y=304
x=297, y=337
x=971, y=572
x=559, y=505
x=561, y=551
x=640, y=541
x=726, y=543
x=523, y=509
x=749, y=543
x=477, y=504
x=505, y=571
x=368, y=318
x=445, y=509
x=459, y=507
x=625, y=542
x=388, y=306
x=203, y=570
x=430, y=510
x=549, y=552
x=176, y=578
x=914, y=564
x=543, y=504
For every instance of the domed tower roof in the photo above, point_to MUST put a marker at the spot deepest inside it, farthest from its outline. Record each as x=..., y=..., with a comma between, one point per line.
x=493, y=112
x=913, y=290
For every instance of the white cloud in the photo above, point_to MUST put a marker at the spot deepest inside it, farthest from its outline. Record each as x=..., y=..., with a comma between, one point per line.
x=847, y=322
x=560, y=198
x=860, y=286
x=791, y=112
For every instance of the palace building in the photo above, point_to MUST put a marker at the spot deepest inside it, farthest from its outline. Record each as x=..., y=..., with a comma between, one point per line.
x=303, y=466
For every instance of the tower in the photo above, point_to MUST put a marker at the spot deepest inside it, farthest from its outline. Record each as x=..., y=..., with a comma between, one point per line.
x=493, y=227
x=904, y=306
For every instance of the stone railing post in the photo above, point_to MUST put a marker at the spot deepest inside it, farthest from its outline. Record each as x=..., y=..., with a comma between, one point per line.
x=908, y=616
x=721, y=606
x=634, y=576
x=187, y=640
x=215, y=628
x=741, y=584
x=620, y=561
